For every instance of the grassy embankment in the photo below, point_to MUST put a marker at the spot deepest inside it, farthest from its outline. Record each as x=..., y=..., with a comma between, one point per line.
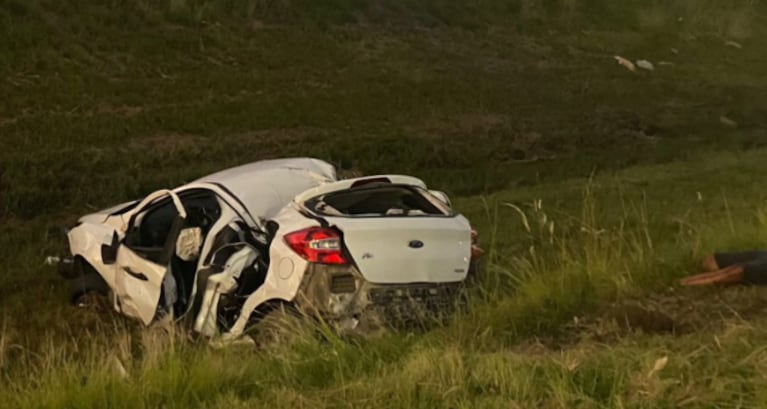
x=502, y=104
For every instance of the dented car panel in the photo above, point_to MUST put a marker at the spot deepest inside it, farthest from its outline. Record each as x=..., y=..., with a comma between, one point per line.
x=361, y=253
x=285, y=273
x=344, y=298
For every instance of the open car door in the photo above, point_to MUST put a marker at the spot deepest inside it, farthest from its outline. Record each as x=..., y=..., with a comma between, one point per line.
x=143, y=257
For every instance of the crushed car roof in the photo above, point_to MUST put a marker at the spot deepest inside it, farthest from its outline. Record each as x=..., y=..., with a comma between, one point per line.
x=265, y=187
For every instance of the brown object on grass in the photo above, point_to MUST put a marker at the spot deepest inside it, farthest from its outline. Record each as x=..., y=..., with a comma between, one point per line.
x=710, y=264
x=729, y=275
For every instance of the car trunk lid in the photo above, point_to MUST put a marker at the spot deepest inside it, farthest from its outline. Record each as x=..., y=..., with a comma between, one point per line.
x=401, y=250
x=395, y=230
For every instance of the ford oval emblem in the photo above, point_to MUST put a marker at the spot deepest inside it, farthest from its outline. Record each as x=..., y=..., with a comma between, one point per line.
x=415, y=244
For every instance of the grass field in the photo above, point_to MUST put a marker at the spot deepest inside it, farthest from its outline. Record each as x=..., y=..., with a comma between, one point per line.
x=594, y=189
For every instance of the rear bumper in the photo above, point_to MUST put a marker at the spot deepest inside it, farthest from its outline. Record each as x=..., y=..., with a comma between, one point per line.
x=341, y=296
x=405, y=306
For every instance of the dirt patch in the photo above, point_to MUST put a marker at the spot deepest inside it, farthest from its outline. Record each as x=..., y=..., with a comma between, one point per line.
x=675, y=312
x=467, y=124
x=699, y=309
x=488, y=136
x=123, y=111
x=645, y=318
x=274, y=136
x=275, y=142
x=2, y=192
x=7, y=121
x=166, y=142
x=611, y=126
x=260, y=144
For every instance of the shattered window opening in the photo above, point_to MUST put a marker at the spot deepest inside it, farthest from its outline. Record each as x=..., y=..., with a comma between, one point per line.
x=379, y=201
x=151, y=227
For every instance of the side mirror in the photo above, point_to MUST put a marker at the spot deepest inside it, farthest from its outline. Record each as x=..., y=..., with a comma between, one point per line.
x=442, y=196
x=109, y=252
x=189, y=243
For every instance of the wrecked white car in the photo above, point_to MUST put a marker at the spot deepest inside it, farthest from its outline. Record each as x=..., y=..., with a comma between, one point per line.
x=224, y=250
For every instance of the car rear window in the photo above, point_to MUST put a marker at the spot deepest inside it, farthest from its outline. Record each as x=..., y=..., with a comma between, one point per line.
x=379, y=201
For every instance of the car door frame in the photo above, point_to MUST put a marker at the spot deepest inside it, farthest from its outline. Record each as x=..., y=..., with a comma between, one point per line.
x=139, y=280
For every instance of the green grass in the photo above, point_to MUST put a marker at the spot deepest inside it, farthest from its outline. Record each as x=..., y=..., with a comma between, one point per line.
x=520, y=344
x=577, y=301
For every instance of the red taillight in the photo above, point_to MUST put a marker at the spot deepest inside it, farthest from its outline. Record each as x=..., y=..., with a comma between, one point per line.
x=317, y=245
x=476, y=251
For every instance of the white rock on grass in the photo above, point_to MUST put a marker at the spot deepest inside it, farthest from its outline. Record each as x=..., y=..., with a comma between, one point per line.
x=645, y=65
x=728, y=122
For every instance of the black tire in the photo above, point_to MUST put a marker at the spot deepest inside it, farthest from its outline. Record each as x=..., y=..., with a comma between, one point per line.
x=280, y=325
x=86, y=287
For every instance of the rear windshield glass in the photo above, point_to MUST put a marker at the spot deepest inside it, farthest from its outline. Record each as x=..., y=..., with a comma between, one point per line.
x=386, y=200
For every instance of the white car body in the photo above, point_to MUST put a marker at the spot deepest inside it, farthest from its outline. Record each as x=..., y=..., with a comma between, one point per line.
x=160, y=256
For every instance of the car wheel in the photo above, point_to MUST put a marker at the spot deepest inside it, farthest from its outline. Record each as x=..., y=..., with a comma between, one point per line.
x=279, y=326
x=88, y=290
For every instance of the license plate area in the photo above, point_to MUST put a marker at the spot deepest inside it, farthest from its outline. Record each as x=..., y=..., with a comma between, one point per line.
x=404, y=306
